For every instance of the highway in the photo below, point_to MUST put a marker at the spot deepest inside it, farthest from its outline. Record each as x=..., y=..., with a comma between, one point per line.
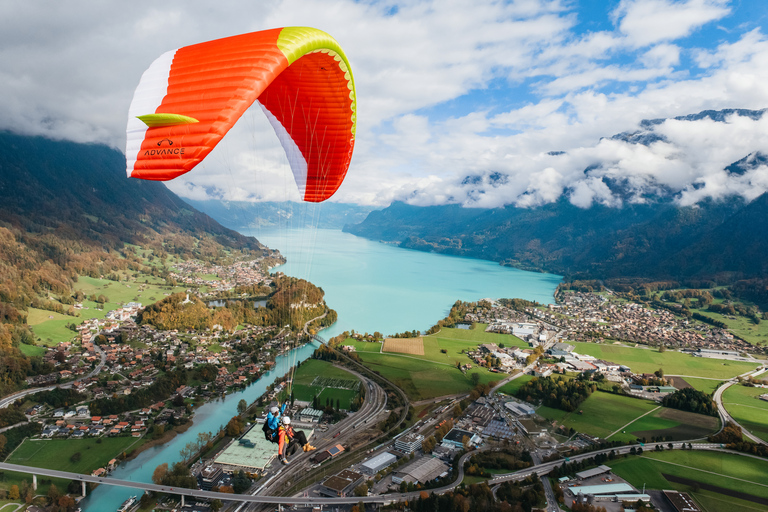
x=725, y=416
x=538, y=470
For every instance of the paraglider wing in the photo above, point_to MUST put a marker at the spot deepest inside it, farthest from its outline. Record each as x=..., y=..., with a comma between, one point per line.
x=189, y=99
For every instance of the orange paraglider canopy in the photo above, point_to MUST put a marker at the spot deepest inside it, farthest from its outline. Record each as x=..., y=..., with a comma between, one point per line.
x=189, y=99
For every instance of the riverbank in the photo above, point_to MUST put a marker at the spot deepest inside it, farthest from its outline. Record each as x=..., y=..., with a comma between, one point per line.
x=165, y=438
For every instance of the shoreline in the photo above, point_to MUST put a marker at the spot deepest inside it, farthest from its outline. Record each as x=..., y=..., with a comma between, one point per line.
x=167, y=436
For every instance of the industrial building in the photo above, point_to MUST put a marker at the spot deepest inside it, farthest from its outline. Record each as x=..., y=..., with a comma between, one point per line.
x=421, y=470
x=374, y=465
x=456, y=437
x=408, y=443
x=519, y=408
x=589, y=473
x=341, y=484
x=310, y=415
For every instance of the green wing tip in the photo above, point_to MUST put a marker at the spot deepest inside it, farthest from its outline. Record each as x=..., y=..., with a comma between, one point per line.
x=154, y=120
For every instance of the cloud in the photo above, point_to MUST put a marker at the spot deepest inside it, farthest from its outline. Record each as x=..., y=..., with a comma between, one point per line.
x=530, y=90
x=645, y=22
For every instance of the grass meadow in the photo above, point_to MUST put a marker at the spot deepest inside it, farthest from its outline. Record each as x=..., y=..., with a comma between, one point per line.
x=57, y=453
x=739, y=473
x=435, y=374
x=746, y=408
x=631, y=419
x=646, y=360
x=51, y=331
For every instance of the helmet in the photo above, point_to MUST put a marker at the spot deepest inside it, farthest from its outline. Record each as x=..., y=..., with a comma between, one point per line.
x=286, y=420
x=274, y=410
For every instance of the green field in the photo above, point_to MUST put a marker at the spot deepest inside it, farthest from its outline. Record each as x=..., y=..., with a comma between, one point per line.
x=751, y=412
x=435, y=374
x=421, y=378
x=510, y=388
x=311, y=368
x=603, y=413
x=52, y=331
x=705, y=385
x=738, y=473
x=31, y=350
x=478, y=336
x=645, y=360
x=56, y=453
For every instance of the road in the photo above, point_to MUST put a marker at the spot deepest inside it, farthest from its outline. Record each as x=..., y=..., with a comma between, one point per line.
x=8, y=400
x=539, y=470
x=373, y=405
x=725, y=416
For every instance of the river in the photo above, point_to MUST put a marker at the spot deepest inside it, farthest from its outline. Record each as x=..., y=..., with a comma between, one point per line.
x=209, y=417
x=373, y=287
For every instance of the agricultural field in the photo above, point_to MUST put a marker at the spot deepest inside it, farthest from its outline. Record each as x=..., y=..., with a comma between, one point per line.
x=434, y=373
x=421, y=378
x=322, y=379
x=706, y=385
x=648, y=360
x=631, y=419
x=724, y=470
x=602, y=414
x=58, y=453
x=746, y=408
x=412, y=346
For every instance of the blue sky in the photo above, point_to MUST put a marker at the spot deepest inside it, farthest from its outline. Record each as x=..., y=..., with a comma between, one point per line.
x=446, y=89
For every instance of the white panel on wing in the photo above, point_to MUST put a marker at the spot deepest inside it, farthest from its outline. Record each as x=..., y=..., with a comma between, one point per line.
x=296, y=160
x=149, y=94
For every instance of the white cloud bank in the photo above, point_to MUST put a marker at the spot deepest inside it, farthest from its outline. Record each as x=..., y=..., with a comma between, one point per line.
x=519, y=95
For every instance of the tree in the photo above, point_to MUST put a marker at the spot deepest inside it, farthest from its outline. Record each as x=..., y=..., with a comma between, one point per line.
x=216, y=505
x=475, y=377
x=13, y=492
x=361, y=490
x=242, y=406
x=160, y=473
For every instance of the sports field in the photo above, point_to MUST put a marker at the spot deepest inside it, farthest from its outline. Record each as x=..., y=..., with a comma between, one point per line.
x=623, y=418
x=648, y=360
x=321, y=378
x=746, y=408
x=57, y=453
x=734, y=472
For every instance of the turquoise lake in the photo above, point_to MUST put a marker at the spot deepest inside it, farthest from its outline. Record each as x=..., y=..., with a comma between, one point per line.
x=373, y=287
x=380, y=287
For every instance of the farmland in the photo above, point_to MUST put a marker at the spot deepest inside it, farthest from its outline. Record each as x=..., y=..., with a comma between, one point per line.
x=602, y=414
x=646, y=360
x=746, y=408
x=58, y=453
x=434, y=373
x=742, y=474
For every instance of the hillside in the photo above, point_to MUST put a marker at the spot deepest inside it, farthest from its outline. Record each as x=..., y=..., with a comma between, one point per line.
x=651, y=241
x=649, y=237
x=68, y=210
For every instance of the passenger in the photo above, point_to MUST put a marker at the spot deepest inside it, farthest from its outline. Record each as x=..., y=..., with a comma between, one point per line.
x=273, y=422
x=289, y=440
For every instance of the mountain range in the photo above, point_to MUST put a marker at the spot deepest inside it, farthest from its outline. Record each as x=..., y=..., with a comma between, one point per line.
x=650, y=236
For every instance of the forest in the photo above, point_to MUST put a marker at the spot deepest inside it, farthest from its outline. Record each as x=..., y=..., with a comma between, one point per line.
x=691, y=400
x=557, y=392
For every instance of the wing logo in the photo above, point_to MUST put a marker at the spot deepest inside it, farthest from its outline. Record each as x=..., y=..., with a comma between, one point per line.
x=169, y=141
